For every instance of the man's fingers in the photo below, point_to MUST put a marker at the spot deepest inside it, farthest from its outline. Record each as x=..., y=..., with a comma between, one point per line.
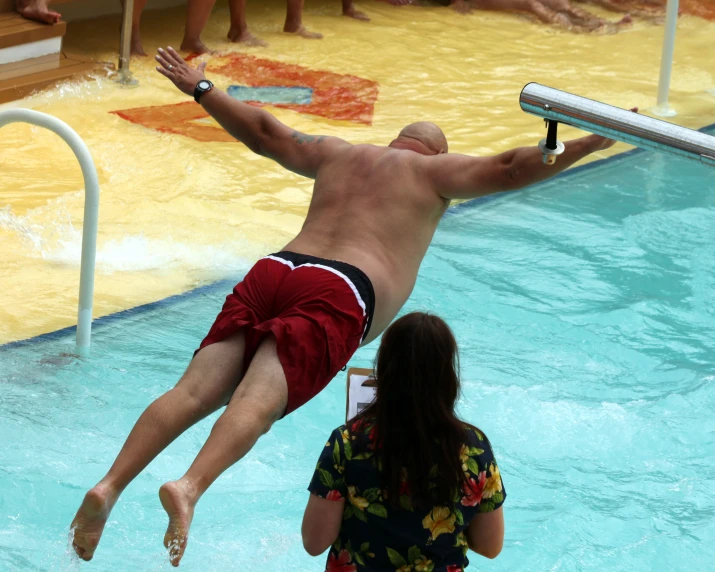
x=168, y=57
x=163, y=61
x=178, y=60
x=165, y=73
x=202, y=67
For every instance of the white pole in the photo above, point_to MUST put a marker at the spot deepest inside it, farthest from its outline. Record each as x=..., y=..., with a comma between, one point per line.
x=666, y=63
x=91, y=211
x=124, y=76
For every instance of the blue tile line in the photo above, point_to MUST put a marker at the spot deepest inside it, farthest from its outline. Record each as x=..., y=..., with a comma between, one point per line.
x=227, y=284
x=222, y=285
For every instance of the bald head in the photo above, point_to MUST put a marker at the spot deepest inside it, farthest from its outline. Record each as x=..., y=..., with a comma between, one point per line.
x=426, y=133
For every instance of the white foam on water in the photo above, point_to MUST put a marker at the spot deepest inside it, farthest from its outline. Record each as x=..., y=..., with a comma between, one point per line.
x=136, y=253
x=61, y=243
x=31, y=233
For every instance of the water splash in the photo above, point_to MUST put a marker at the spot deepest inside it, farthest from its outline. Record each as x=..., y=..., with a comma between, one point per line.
x=61, y=243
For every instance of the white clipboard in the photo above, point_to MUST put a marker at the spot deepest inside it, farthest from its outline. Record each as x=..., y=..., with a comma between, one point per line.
x=361, y=390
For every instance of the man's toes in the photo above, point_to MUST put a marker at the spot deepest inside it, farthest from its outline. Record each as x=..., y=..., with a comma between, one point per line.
x=82, y=553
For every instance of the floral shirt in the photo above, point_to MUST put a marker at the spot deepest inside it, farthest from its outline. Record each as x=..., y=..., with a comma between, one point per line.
x=378, y=536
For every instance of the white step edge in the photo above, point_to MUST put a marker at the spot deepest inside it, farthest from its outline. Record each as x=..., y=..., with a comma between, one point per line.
x=31, y=50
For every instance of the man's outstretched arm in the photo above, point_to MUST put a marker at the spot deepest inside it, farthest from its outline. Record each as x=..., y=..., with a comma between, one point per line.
x=257, y=129
x=465, y=177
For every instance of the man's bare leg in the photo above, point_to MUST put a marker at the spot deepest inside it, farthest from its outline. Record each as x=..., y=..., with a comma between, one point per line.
x=239, y=31
x=294, y=21
x=198, y=13
x=37, y=10
x=585, y=19
x=654, y=14
x=535, y=7
x=137, y=48
x=258, y=402
x=460, y=6
x=207, y=385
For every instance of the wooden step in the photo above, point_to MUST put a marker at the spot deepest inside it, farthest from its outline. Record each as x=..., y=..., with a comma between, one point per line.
x=16, y=30
x=29, y=67
x=68, y=67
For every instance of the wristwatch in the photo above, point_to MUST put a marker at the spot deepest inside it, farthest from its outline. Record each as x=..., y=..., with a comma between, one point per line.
x=202, y=87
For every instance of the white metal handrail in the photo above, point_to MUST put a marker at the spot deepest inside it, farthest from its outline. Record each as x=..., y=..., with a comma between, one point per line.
x=91, y=210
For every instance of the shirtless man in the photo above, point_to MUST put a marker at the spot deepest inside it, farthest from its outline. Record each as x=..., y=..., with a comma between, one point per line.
x=298, y=316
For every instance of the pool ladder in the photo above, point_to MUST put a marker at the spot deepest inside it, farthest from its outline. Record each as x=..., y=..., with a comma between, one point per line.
x=91, y=212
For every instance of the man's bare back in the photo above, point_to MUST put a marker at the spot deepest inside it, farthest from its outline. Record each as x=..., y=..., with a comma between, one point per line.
x=373, y=214
x=372, y=209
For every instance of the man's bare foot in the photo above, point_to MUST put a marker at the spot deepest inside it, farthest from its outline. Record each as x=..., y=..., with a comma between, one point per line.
x=614, y=27
x=245, y=37
x=357, y=15
x=304, y=32
x=461, y=6
x=564, y=21
x=178, y=499
x=195, y=47
x=137, y=47
x=625, y=22
x=37, y=10
x=90, y=519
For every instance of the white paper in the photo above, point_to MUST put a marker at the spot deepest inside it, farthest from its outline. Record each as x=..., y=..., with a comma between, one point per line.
x=359, y=396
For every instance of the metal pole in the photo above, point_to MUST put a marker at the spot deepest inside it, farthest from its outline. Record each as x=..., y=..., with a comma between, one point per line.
x=91, y=212
x=616, y=123
x=124, y=76
x=666, y=63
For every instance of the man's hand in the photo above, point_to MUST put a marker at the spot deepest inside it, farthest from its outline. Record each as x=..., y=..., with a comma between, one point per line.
x=173, y=66
x=602, y=143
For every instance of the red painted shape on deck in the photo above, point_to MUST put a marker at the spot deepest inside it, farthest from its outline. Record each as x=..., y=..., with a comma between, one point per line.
x=335, y=96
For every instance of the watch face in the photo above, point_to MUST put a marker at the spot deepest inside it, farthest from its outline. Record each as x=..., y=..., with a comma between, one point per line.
x=203, y=84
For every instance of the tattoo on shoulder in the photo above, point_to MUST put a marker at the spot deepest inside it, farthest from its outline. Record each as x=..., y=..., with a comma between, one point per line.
x=303, y=138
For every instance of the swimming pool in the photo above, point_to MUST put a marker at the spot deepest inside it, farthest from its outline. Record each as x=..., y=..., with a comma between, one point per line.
x=583, y=307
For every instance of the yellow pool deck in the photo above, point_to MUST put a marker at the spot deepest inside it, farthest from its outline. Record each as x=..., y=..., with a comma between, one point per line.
x=176, y=212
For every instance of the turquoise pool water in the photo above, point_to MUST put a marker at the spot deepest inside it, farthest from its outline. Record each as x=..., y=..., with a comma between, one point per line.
x=584, y=309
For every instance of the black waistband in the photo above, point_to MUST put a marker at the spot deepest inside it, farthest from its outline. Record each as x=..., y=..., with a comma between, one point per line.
x=356, y=276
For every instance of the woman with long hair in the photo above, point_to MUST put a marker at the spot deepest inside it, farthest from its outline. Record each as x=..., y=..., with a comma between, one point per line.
x=407, y=485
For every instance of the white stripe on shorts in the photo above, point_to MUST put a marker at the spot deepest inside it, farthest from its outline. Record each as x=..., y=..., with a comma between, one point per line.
x=329, y=269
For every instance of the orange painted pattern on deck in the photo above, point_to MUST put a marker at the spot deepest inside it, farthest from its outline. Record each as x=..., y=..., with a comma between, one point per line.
x=335, y=96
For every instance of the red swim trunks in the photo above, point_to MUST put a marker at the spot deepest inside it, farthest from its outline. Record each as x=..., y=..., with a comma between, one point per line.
x=318, y=310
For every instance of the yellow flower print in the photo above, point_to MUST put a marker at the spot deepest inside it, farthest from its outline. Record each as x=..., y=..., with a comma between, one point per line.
x=346, y=436
x=423, y=565
x=464, y=457
x=356, y=501
x=405, y=568
x=493, y=484
x=439, y=521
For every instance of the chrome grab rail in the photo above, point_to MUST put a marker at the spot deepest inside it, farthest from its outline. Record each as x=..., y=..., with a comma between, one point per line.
x=557, y=106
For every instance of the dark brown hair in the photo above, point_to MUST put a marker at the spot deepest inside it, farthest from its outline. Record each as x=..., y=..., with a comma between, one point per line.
x=415, y=426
